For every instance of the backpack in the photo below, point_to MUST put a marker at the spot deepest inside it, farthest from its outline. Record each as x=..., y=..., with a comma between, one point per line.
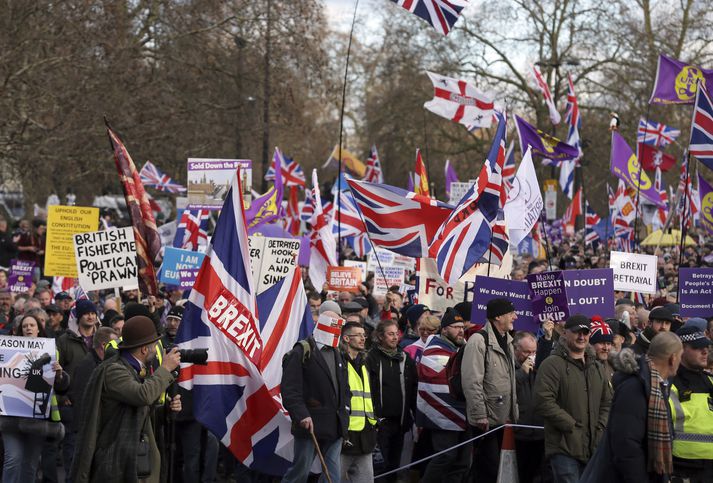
x=306, y=351
x=453, y=369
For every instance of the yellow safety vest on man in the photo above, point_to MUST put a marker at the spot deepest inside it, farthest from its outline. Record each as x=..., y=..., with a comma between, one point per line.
x=692, y=423
x=362, y=408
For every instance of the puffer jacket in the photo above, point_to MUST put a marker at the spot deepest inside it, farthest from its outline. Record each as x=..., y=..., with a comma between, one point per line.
x=573, y=398
x=490, y=392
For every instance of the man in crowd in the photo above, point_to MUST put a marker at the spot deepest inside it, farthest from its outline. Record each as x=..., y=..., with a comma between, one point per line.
x=315, y=393
x=116, y=441
x=7, y=299
x=393, y=381
x=356, y=460
x=437, y=410
x=173, y=321
x=488, y=378
x=8, y=250
x=573, y=395
x=660, y=320
x=44, y=295
x=53, y=328
x=691, y=404
x=73, y=346
x=529, y=443
x=601, y=339
x=314, y=300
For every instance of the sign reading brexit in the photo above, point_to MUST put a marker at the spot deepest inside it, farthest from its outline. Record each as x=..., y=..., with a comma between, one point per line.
x=237, y=323
x=633, y=272
x=549, y=296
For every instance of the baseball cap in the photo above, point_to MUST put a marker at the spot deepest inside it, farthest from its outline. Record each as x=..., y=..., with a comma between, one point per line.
x=578, y=322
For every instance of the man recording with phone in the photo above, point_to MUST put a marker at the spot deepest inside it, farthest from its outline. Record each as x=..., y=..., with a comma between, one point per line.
x=116, y=434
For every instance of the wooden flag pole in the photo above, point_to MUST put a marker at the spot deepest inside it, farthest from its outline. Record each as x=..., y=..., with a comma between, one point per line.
x=319, y=453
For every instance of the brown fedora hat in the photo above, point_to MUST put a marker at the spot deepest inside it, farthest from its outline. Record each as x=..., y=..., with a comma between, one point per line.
x=138, y=331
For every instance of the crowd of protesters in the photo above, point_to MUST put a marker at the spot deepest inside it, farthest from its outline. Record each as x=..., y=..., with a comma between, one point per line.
x=601, y=399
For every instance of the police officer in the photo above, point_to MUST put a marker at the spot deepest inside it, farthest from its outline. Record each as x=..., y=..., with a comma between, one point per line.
x=692, y=410
x=356, y=454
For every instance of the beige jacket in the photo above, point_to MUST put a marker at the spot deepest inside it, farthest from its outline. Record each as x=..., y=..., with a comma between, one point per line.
x=490, y=393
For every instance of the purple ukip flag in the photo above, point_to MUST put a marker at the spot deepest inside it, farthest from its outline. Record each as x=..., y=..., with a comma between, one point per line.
x=625, y=166
x=705, y=191
x=543, y=144
x=677, y=82
x=451, y=176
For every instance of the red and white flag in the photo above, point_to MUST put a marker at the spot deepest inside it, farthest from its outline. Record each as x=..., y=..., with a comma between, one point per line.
x=545, y=89
x=323, y=247
x=460, y=101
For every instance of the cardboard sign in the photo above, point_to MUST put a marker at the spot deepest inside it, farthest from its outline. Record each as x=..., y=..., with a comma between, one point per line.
x=19, y=279
x=695, y=286
x=360, y=265
x=388, y=277
x=549, y=296
x=379, y=257
x=343, y=279
x=175, y=260
x=106, y=259
x=272, y=259
x=434, y=292
x=590, y=292
x=63, y=222
x=26, y=382
x=458, y=190
x=209, y=181
x=518, y=292
x=634, y=272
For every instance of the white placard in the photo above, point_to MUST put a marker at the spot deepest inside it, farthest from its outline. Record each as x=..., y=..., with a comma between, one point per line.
x=106, y=259
x=359, y=265
x=634, y=272
x=272, y=259
x=458, y=190
x=434, y=292
x=388, y=278
x=385, y=259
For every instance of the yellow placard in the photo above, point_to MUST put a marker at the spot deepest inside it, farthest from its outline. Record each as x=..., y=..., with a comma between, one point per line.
x=62, y=223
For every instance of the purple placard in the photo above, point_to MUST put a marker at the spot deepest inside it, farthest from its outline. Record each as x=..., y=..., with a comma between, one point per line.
x=488, y=288
x=209, y=181
x=19, y=279
x=695, y=295
x=590, y=292
x=549, y=296
x=188, y=277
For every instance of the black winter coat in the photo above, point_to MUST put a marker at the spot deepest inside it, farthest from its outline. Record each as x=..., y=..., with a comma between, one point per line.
x=625, y=442
x=385, y=372
x=308, y=391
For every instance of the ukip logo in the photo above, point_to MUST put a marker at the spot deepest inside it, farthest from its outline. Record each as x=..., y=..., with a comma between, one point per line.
x=707, y=207
x=643, y=182
x=687, y=82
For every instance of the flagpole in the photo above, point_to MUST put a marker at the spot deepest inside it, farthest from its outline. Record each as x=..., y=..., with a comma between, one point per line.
x=341, y=132
x=684, y=222
x=543, y=220
x=585, y=204
x=638, y=182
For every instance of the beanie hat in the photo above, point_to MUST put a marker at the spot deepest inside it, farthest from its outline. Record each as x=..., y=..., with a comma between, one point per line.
x=331, y=306
x=415, y=312
x=601, y=331
x=464, y=309
x=498, y=307
x=450, y=317
x=84, y=307
x=132, y=309
x=176, y=311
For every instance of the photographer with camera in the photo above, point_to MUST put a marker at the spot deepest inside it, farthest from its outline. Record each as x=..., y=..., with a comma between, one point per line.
x=116, y=434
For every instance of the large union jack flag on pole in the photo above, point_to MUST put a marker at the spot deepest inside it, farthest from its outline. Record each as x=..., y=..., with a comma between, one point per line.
x=292, y=174
x=374, y=174
x=441, y=14
x=701, y=145
x=465, y=237
x=399, y=220
x=231, y=398
x=151, y=176
x=192, y=230
x=656, y=133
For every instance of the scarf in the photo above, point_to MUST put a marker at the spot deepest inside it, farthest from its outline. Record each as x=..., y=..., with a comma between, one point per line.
x=659, y=431
x=389, y=352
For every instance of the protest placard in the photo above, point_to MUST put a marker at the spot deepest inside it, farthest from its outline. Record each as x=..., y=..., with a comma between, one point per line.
x=106, y=259
x=434, y=292
x=590, y=292
x=518, y=292
x=167, y=232
x=458, y=190
x=633, y=272
x=549, y=296
x=550, y=187
x=19, y=280
x=177, y=259
x=695, y=286
x=379, y=256
x=209, y=181
x=26, y=376
x=386, y=278
x=343, y=279
x=360, y=265
x=187, y=277
x=63, y=222
x=409, y=263
x=272, y=259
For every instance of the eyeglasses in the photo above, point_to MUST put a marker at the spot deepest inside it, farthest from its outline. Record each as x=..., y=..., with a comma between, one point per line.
x=358, y=336
x=457, y=326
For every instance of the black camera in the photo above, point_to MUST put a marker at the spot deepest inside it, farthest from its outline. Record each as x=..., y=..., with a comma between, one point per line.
x=194, y=356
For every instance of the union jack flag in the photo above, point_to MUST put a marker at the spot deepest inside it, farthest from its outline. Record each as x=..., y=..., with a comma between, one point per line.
x=465, y=236
x=687, y=207
x=555, y=117
x=153, y=177
x=360, y=244
x=509, y=168
x=656, y=133
x=441, y=14
x=399, y=220
x=573, y=119
x=349, y=221
x=500, y=242
x=573, y=210
x=591, y=220
x=701, y=145
x=661, y=211
x=420, y=177
x=192, y=230
x=292, y=174
x=230, y=395
x=323, y=247
x=307, y=212
x=373, y=167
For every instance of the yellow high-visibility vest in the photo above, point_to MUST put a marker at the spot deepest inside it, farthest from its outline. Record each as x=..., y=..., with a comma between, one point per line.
x=362, y=408
x=692, y=424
